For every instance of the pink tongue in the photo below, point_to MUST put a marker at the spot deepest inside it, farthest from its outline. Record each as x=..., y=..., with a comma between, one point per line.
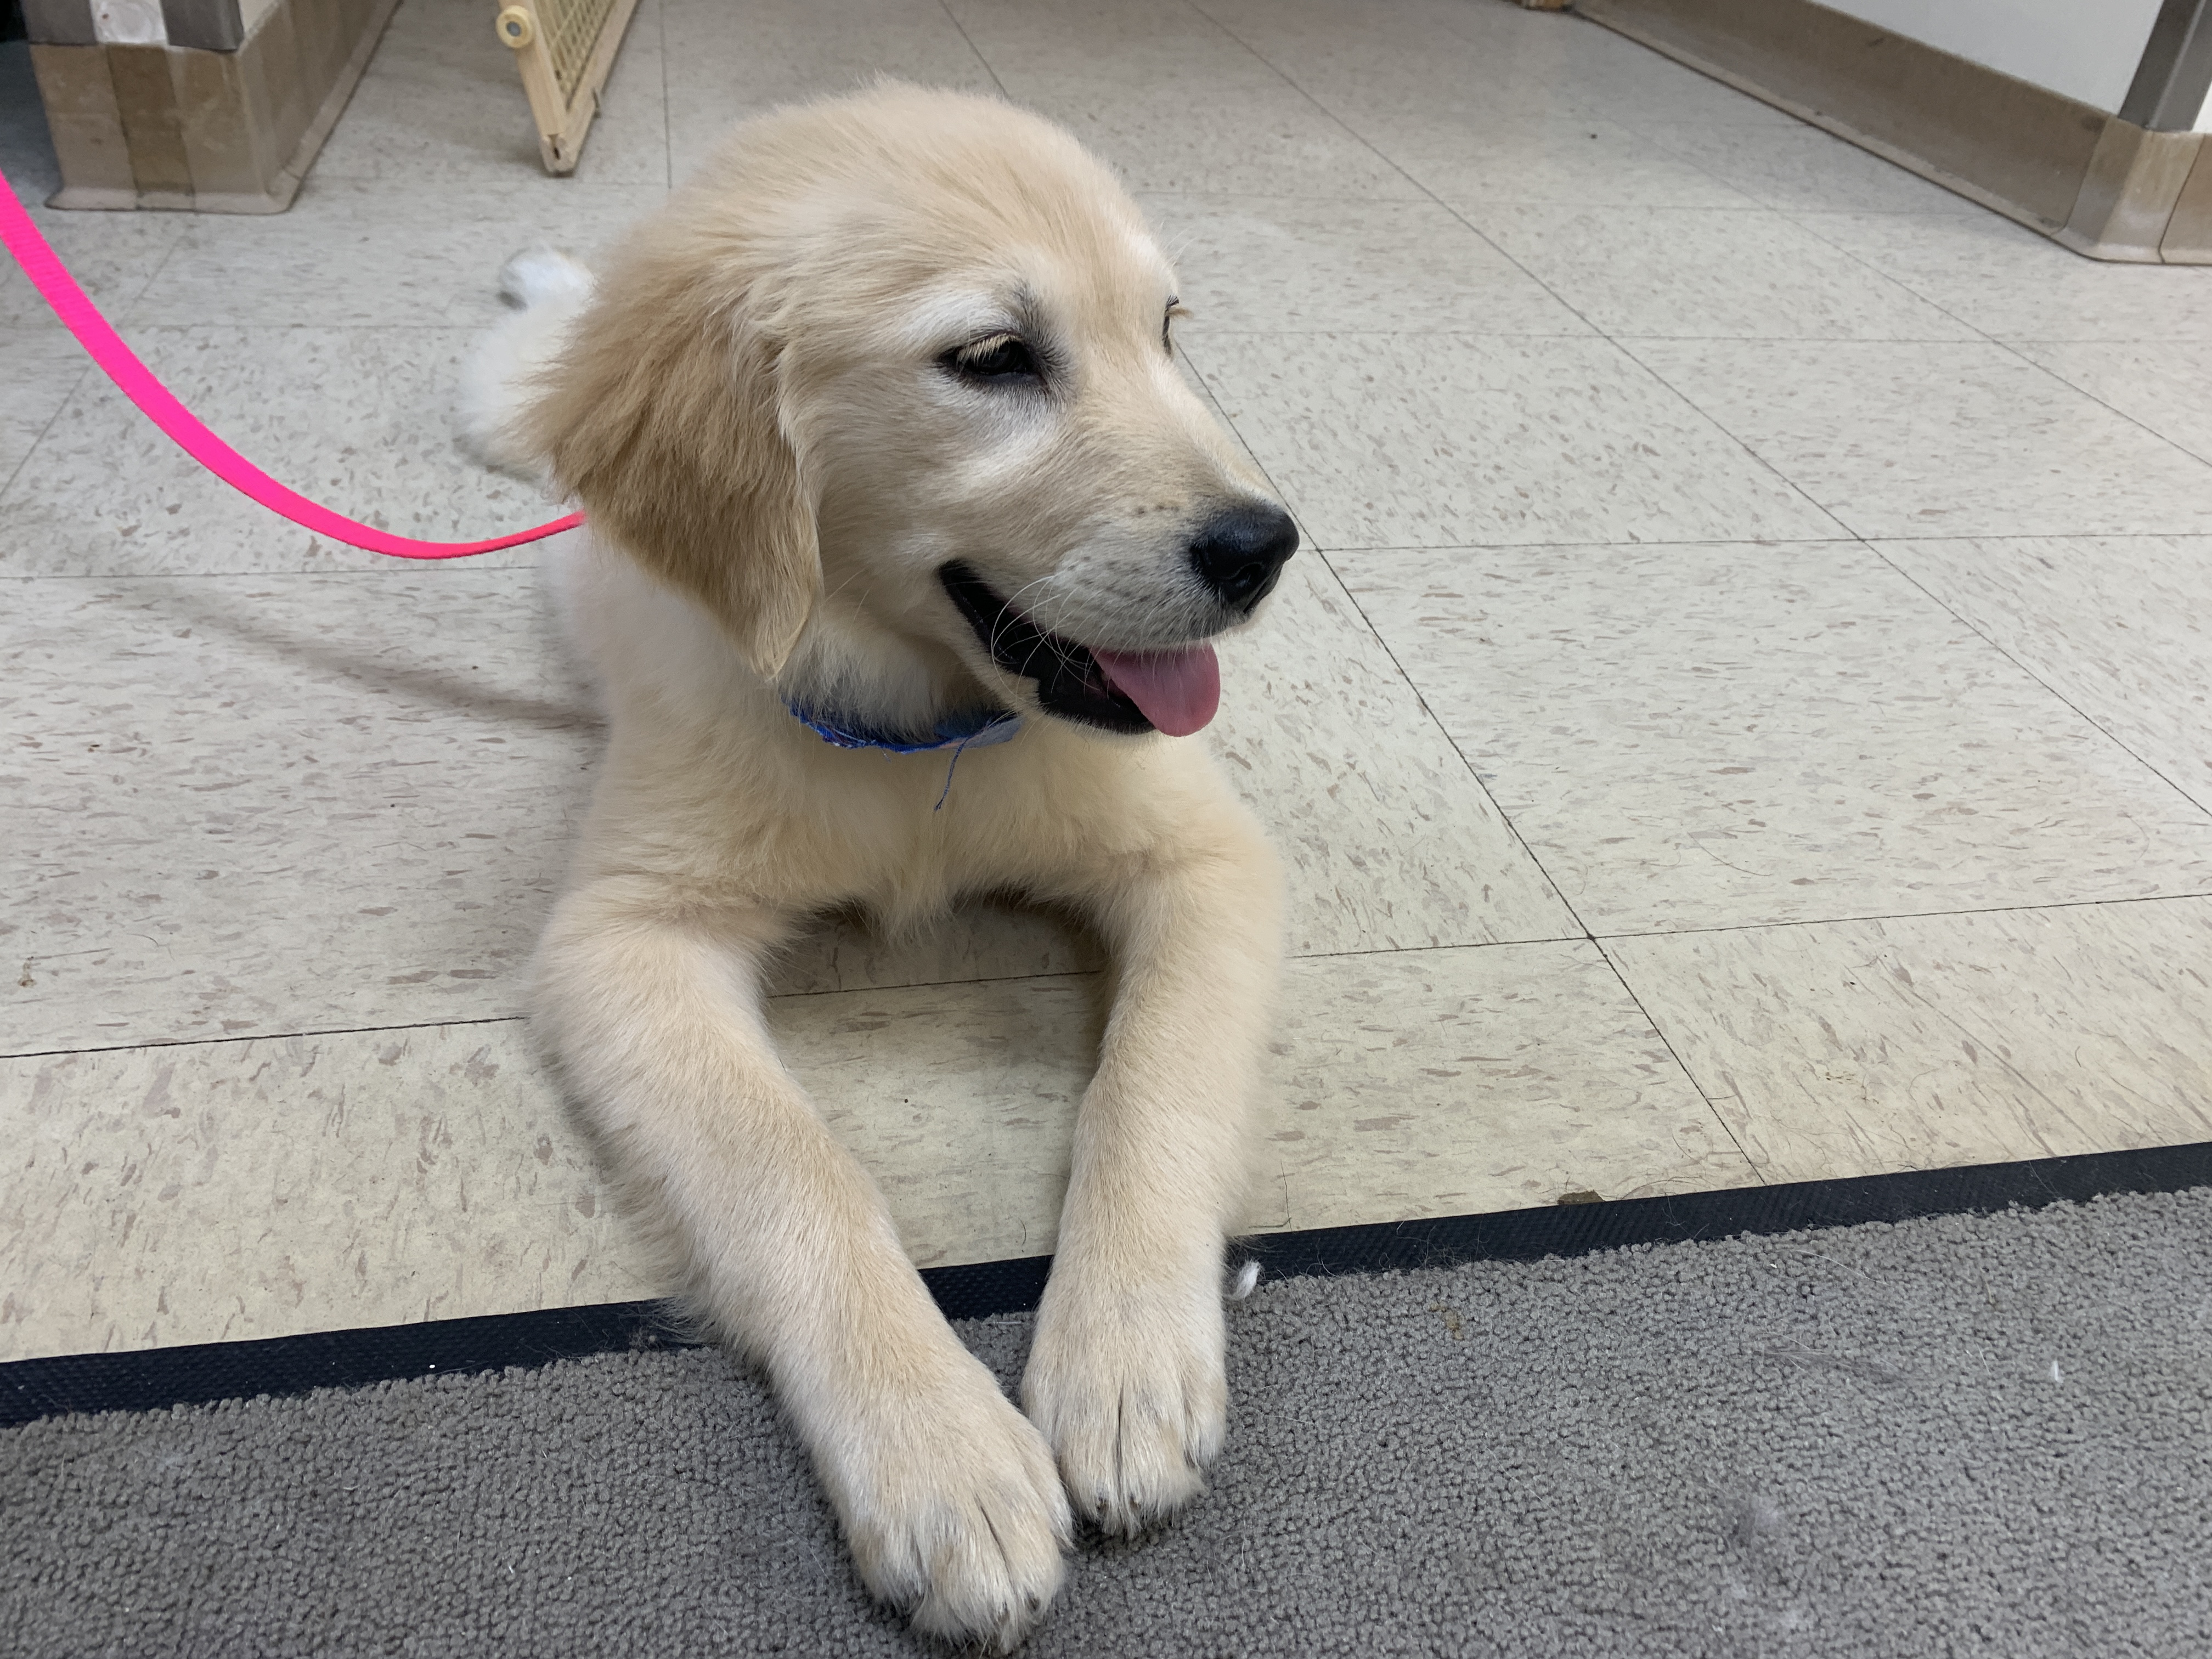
x=1177, y=690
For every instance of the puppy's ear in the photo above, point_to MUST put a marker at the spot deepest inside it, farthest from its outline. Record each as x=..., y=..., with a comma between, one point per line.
x=662, y=418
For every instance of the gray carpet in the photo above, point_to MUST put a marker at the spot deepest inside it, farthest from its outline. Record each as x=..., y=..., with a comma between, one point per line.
x=1953, y=1435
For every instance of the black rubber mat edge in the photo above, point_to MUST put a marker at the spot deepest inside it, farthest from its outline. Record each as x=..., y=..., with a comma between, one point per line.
x=154, y=1379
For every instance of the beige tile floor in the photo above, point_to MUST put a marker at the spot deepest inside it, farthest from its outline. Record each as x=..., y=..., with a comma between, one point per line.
x=1740, y=716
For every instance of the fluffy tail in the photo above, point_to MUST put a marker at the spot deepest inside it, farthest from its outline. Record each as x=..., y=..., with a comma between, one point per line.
x=548, y=289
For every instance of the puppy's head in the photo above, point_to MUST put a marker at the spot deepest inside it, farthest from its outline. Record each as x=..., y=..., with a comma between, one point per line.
x=890, y=389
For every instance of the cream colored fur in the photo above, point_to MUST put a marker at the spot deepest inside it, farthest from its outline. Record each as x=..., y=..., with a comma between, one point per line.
x=753, y=409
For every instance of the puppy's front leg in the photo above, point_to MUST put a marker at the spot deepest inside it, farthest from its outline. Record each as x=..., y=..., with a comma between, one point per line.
x=948, y=1496
x=1126, y=1372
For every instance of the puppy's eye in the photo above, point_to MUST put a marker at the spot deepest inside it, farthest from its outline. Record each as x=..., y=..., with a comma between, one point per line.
x=1175, y=308
x=1001, y=359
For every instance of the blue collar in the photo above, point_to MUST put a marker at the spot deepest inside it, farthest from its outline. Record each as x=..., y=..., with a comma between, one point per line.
x=978, y=728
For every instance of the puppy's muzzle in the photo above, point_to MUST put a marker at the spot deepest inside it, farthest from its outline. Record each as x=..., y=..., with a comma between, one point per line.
x=1239, y=553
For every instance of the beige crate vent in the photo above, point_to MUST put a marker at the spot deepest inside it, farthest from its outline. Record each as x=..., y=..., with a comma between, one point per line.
x=564, y=49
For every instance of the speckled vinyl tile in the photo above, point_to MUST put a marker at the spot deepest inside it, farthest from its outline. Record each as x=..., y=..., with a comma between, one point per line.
x=1703, y=737
x=1288, y=265
x=2009, y=281
x=959, y=1099
x=267, y=804
x=1371, y=84
x=1387, y=840
x=442, y=100
x=985, y=938
x=361, y=420
x=1309, y=37
x=1799, y=167
x=2115, y=627
x=252, y=1188
x=1644, y=90
x=1866, y=1047
x=2165, y=387
x=1456, y=441
x=1704, y=273
x=1897, y=893
x=1257, y=137
x=1134, y=40
x=113, y=256
x=38, y=369
x=276, y=726
x=1442, y=57
x=223, y=1191
x=725, y=63
x=1488, y=159
x=1427, y=1082
x=1430, y=1083
x=355, y=251
x=1925, y=438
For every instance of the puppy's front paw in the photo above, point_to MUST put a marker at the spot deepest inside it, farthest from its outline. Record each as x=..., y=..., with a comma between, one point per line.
x=953, y=1510
x=1127, y=1384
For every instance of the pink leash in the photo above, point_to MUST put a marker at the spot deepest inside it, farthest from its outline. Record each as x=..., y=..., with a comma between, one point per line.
x=82, y=318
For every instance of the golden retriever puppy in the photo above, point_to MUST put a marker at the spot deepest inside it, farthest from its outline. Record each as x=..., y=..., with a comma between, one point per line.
x=880, y=435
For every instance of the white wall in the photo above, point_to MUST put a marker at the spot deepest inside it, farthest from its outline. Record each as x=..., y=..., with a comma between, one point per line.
x=2087, y=49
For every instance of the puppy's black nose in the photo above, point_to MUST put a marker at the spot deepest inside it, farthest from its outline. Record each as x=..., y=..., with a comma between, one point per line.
x=1240, y=552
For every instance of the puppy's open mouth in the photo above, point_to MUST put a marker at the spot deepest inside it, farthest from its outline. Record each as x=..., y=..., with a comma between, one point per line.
x=1173, y=691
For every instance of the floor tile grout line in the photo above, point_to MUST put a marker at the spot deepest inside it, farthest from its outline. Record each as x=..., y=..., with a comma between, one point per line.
x=2079, y=713
x=1520, y=840
x=950, y=17
x=1688, y=402
x=1751, y=208
x=768, y=998
x=1659, y=139
x=1619, y=341
x=1903, y=916
x=1859, y=257
x=2091, y=720
x=125, y=313
x=348, y=571
x=67, y=398
x=1521, y=547
x=261, y=1036
x=1587, y=937
x=410, y=329
x=76, y=387
x=2046, y=536
x=2083, y=392
x=1874, y=542
x=1783, y=541
x=667, y=125
x=1868, y=541
x=1392, y=162
x=1710, y=1100
x=1404, y=678
x=1541, y=334
x=523, y=1018
x=1213, y=402
x=2009, y=346
x=1465, y=763
x=1743, y=444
